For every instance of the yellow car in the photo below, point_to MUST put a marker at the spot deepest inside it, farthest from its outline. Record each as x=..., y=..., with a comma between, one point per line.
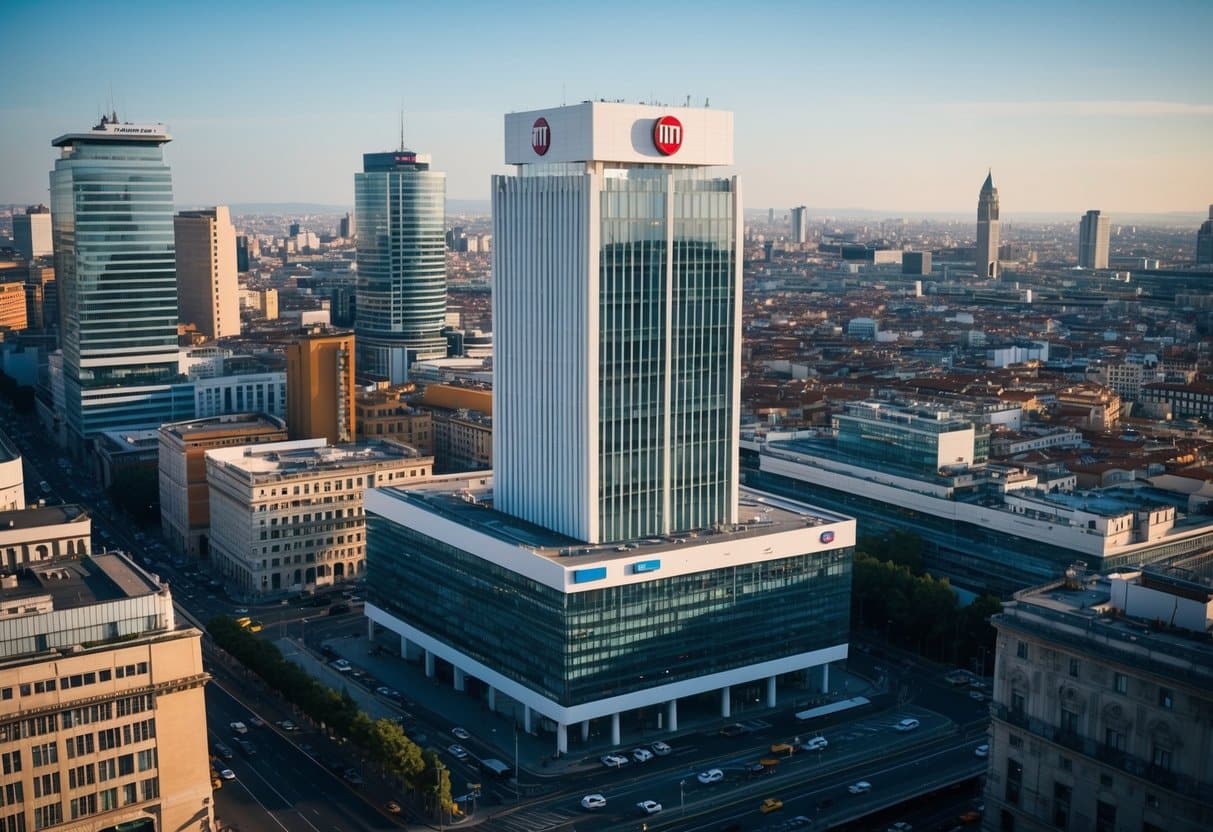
x=771, y=804
x=216, y=783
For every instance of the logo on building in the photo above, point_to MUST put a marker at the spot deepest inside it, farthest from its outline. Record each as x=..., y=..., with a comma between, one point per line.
x=667, y=135
x=826, y=537
x=541, y=136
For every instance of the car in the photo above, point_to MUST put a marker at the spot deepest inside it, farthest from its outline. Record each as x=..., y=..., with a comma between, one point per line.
x=461, y=734
x=815, y=744
x=648, y=807
x=799, y=821
x=755, y=768
x=907, y=724
x=238, y=728
x=392, y=807
x=351, y=776
x=783, y=749
x=223, y=751
x=734, y=730
x=287, y=725
x=342, y=666
x=901, y=826
x=384, y=690
x=246, y=748
x=256, y=722
x=861, y=787
x=240, y=611
x=977, y=696
x=660, y=748
x=712, y=775
x=614, y=760
x=593, y=801
x=771, y=804
x=982, y=750
x=458, y=751
x=641, y=755
x=227, y=774
x=216, y=783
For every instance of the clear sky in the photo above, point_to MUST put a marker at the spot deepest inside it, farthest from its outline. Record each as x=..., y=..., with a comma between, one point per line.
x=893, y=106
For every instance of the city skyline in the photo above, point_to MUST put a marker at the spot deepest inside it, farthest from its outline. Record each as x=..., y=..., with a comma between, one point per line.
x=1107, y=110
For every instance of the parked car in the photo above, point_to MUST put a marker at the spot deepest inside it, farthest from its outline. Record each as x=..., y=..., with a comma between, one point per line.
x=862, y=787
x=734, y=730
x=614, y=760
x=227, y=774
x=815, y=744
x=907, y=724
x=458, y=751
x=712, y=775
x=223, y=751
x=287, y=725
x=460, y=733
x=593, y=801
x=771, y=804
x=641, y=755
x=648, y=807
x=660, y=748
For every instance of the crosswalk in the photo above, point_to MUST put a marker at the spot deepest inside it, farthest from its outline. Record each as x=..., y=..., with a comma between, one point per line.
x=531, y=820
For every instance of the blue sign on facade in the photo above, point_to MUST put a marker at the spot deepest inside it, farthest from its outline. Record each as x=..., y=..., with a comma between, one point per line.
x=646, y=566
x=581, y=576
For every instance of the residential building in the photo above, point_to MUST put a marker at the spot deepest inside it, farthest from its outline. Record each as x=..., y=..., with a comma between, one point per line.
x=288, y=516
x=613, y=508
x=988, y=230
x=1094, y=232
x=463, y=426
x=401, y=299
x=13, y=307
x=96, y=678
x=383, y=413
x=112, y=215
x=1102, y=704
x=184, y=496
x=208, y=295
x=320, y=386
x=1204, y=241
x=268, y=305
x=32, y=232
x=1181, y=400
x=800, y=224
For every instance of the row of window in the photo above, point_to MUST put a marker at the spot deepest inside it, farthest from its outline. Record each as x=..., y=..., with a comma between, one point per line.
x=76, y=680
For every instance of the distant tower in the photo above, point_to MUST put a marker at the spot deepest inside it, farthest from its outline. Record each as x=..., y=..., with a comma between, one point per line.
x=1093, y=232
x=1204, y=241
x=800, y=224
x=987, y=229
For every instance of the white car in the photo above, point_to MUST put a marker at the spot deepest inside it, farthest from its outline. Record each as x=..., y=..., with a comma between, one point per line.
x=815, y=744
x=459, y=733
x=648, y=807
x=907, y=724
x=982, y=750
x=227, y=774
x=661, y=748
x=458, y=752
x=614, y=761
x=239, y=728
x=712, y=775
x=342, y=666
x=860, y=788
x=641, y=755
x=593, y=801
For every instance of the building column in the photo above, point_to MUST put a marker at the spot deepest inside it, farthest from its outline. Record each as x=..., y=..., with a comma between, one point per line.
x=370, y=630
x=726, y=705
x=492, y=699
x=562, y=738
x=671, y=715
x=771, y=692
x=526, y=718
x=460, y=681
x=429, y=665
x=404, y=647
x=585, y=730
x=825, y=678
x=615, y=728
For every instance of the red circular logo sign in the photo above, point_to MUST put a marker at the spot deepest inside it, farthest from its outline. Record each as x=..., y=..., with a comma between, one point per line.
x=667, y=135
x=541, y=136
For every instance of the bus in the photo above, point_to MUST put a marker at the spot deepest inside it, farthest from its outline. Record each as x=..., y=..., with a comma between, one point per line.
x=496, y=767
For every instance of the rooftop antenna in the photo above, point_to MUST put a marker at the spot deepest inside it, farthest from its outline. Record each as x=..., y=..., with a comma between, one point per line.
x=707, y=102
x=402, y=127
x=688, y=100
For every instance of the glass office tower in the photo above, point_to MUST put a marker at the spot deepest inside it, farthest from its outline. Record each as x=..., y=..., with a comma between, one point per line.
x=401, y=292
x=112, y=213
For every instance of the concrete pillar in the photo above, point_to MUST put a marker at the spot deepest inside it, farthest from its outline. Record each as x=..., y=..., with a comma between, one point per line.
x=370, y=630
x=825, y=678
x=771, y=692
x=404, y=647
x=460, y=681
x=492, y=699
x=585, y=730
x=429, y=665
x=671, y=715
x=615, y=728
x=726, y=705
x=562, y=738
x=526, y=718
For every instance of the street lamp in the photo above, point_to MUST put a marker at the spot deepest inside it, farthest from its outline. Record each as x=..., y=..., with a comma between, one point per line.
x=682, y=797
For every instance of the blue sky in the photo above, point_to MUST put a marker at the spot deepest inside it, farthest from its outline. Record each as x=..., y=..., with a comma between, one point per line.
x=890, y=106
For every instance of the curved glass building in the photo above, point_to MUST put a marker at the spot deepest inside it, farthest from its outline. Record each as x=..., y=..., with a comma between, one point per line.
x=401, y=292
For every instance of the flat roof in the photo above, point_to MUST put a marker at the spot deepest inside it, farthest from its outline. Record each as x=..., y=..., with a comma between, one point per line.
x=760, y=514
x=35, y=517
x=228, y=424
x=273, y=458
x=117, y=132
x=81, y=583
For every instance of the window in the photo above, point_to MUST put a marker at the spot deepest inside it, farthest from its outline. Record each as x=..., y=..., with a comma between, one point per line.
x=1105, y=780
x=12, y=793
x=10, y=761
x=150, y=788
x=46, y=784
x=1014, y=780
x=45, y=754
x=1105, y=817
x=1161, y=758
x=1017, y=703
x=1015, y=741
x=48, y=815
x=130, y=794
x=1065, y=763
x=1121, y=682
x=1114, y=739
x=1061, y=805
x=1074, y=668
x=1069, y=721
x=1166, y=698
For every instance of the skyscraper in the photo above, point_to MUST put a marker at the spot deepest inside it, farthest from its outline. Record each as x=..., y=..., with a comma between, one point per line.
x=206, y=271
x=1093, y=233
x=616, y=317
x=987, y=230
x=800, y=224
x=1204, y=241
x=400, y=204
x=605, y=559
x=112, y=218
x=32, y=232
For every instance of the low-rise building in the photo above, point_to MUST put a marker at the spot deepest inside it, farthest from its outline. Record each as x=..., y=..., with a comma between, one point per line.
x=1103, y=705
x=96, y=678
x=288, y=516
x=33, y=536
x=381, y=413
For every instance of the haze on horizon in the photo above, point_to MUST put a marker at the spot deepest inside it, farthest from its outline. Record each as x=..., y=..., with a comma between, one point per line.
x=878, y=105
